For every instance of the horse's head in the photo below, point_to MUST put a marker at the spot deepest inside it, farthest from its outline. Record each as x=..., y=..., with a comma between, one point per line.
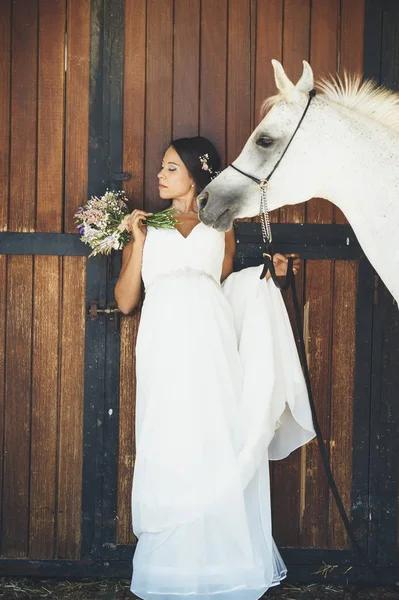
x=232, y=195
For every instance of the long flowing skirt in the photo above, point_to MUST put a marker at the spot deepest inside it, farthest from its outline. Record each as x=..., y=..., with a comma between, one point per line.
x=213, y=406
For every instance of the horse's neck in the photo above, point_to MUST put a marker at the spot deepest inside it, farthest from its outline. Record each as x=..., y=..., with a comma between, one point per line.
x=365, y=185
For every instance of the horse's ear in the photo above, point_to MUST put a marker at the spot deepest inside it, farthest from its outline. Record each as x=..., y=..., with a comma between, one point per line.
x=305, y=83
x=283, y=84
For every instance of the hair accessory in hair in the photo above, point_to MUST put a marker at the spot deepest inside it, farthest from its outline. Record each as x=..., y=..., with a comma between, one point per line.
x=206, y=167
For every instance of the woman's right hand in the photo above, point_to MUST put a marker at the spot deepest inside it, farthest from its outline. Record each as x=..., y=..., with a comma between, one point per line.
x=134, y=223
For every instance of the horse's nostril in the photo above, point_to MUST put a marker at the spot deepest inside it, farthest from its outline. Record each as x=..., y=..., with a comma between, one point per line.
x=202, y=199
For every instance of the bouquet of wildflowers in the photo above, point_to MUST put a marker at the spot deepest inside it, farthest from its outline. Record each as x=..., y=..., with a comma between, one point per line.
x=100, y=222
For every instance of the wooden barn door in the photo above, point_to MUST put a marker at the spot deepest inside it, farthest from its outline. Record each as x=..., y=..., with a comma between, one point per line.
x=203, y=67
x=43, y=170
x=91, y=93
x=59, y=364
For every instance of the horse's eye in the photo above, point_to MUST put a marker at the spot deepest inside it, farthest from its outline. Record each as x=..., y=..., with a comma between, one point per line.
x=264, y=141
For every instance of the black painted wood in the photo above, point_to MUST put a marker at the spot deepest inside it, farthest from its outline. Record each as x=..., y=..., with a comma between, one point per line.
x=113, y=74
x=381, y=62
x=53, y=244
x=384, y=424
x=302, y=233
x=93, y=418
x=101, y=374
x=95, y=330
x=360, y=512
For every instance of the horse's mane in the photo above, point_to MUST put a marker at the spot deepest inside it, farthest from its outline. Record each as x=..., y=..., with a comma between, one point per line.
x=363, y=97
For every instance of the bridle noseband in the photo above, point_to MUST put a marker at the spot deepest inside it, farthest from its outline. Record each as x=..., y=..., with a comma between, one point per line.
x=264, y=212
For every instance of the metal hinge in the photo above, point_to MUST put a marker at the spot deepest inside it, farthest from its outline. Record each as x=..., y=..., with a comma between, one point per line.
x=120, y=176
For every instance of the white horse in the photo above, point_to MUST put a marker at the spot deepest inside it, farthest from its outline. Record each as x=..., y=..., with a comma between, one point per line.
x=346, y=150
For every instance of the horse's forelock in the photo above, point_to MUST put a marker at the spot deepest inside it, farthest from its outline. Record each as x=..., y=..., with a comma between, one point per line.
x=269, y=103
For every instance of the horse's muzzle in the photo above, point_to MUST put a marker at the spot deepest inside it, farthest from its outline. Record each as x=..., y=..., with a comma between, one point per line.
x=202, y=200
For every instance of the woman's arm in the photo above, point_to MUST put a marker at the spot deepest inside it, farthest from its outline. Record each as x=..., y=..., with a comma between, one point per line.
x=280, y=261
x=230, y=248
x=128, y=286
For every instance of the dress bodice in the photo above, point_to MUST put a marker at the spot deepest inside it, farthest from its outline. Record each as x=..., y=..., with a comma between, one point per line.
x=167, y=251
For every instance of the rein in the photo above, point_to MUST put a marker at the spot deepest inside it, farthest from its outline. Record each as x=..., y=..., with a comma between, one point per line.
x=290, y=282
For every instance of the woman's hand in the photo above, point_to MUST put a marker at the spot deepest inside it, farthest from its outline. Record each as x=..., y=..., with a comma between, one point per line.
x=281, y=262
x=134, y=223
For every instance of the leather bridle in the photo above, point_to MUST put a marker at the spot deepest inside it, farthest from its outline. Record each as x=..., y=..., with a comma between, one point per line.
x=264, y=212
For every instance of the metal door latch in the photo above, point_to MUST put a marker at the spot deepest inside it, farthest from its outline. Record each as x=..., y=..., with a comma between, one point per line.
x=110, y=310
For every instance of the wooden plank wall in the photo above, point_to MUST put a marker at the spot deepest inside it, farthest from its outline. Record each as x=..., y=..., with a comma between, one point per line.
x=190, y=67
x=203, y=67
x=44, y=87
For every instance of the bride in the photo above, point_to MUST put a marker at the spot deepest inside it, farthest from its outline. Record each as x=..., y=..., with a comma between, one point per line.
x=219, y=393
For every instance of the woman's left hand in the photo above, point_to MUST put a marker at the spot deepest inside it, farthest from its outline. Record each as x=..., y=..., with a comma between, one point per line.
x=280, y=264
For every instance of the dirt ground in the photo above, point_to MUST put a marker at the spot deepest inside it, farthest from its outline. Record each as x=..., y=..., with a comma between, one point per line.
x=108, y=589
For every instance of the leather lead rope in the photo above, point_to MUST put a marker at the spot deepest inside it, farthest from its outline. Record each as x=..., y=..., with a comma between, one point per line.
x=289, y=281
x=322, y=447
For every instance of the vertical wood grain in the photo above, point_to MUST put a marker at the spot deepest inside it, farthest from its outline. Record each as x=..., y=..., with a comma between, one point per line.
x=239, y=80
x=324, y=48
x=158, y=126
x=351, y=51
x=342, y=394
x=286, y=499
x=186, y=71
x=318, y=296
x=23, y=115
x=285, y=482
x=5, y=81
x=295, y=49
x=134, y=79
x=46, y=299
x=50, y=141
x=70, y=437
x=127, y=400
x=324, y=39
x=344, y=326
x=352, y=36
x=269, y=44
x=134, y=156
x=17, y=407
x=287, y=475
x=77, y=109
x=214, y=73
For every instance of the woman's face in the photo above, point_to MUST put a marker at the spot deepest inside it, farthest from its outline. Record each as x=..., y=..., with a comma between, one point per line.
x=174, y=181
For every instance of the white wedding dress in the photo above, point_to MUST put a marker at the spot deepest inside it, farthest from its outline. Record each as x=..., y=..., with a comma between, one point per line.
x=220, y=392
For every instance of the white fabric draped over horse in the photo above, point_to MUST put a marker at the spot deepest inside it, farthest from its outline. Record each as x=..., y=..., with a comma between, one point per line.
x=346, y=151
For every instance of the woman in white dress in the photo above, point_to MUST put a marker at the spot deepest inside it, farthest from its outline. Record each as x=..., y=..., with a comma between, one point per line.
x=219, y=393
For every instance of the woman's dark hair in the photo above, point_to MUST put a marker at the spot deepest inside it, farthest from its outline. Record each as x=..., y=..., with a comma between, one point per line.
x=190, y=150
